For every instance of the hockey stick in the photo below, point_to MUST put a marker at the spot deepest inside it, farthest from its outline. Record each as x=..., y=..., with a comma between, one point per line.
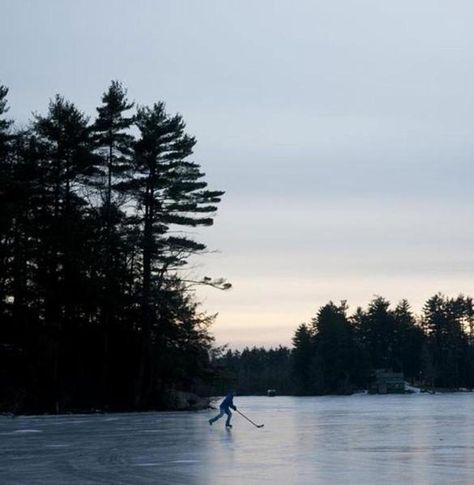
x=249, y=420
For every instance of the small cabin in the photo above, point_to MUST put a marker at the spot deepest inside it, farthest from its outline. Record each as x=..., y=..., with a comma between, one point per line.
x=387, y=382
x=271, y=393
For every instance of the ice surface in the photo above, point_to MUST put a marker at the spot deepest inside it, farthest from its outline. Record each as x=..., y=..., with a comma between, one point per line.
x=361, y=439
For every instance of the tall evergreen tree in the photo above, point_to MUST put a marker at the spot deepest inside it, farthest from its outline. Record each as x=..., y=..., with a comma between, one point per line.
x=377, y=329
x=170, y=192
x=113, y=140
x=113, y=145
x=408, y=341
x=443, y=320
x=334, y=349
x=302, y=359
x=5, y=124
x=6, y=179
x=65, y=151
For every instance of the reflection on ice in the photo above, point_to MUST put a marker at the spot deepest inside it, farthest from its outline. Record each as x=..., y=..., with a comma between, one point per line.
x=423, y=439
x=185, y=461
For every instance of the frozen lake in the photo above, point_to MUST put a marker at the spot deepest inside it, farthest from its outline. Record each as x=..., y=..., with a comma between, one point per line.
x=422, y=439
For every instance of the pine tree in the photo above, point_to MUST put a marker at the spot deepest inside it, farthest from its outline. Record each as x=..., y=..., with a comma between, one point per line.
x=376, y=330
x=443, y=320
x=113, y=145
x=6, y=179
x=409, y=338
x=113, y=141
x=65, y=151
x=5, y=124
x=334, y=349
x=170, y=193
x=302, y=359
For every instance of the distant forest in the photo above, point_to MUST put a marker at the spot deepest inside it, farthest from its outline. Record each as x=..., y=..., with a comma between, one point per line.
x=96, y=219
x=337, y=353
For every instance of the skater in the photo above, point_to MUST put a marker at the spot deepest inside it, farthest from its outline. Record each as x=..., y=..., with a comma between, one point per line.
x=224, y=407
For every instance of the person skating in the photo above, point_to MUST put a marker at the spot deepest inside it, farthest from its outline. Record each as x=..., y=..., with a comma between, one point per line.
x=224, y=408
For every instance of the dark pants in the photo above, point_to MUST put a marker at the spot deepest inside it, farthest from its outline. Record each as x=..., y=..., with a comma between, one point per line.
x=221, y=413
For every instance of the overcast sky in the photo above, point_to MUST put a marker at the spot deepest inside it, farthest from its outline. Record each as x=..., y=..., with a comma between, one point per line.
x=342, y=132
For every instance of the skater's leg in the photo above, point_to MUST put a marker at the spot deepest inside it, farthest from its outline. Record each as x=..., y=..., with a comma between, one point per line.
x=215, y=418
x=229, y=416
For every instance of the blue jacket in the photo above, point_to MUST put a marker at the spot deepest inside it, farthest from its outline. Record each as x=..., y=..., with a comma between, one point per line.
x=228, y=402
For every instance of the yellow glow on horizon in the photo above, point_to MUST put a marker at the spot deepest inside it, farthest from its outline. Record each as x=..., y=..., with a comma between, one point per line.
x=266, y=311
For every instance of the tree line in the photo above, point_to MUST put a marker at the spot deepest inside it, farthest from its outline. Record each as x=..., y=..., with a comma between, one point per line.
x=97, y=308
x=96, y=302
x=338, y=353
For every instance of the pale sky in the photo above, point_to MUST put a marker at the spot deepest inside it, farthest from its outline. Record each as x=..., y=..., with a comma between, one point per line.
x=342, y=132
